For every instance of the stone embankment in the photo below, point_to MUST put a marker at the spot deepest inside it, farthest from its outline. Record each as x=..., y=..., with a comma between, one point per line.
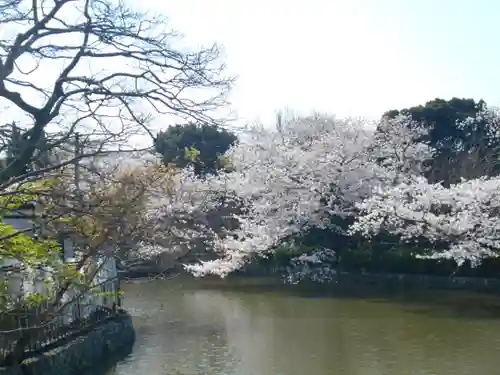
x=111, y=339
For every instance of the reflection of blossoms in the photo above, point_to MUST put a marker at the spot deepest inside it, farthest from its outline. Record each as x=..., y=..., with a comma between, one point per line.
x=315, y=266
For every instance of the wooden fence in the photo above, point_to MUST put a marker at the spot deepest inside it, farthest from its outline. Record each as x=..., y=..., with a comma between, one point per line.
x=26, y=332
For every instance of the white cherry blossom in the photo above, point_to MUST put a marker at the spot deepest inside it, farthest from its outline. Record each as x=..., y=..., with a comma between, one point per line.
x=299, y=176
x=465, y=215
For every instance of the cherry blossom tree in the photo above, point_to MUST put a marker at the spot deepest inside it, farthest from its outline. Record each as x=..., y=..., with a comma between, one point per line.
x=178, y=219
x=463, y=216
x=298, y=176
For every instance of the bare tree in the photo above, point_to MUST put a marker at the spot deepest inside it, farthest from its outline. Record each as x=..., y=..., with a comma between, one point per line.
x=113, y=70
x=81, y=77
x=103, y=219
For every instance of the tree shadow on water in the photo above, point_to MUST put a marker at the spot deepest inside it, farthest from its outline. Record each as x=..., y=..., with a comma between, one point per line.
x=449, y=304
x=455, y=309
x=109, y=366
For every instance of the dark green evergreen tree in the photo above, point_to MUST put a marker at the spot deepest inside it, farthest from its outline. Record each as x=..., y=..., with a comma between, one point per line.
x=462, y=151
x=200, y=146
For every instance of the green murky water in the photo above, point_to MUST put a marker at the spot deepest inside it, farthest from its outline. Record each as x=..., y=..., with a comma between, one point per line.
x=185, y=329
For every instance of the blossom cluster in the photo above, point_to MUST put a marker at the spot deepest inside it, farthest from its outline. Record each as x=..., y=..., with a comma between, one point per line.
x=292, y=179
x=297, y=176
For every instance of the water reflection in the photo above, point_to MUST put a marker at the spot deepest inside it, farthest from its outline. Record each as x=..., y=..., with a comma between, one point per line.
x=189, y=331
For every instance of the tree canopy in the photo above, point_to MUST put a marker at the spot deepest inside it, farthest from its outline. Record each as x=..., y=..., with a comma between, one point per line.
x=200, y=146
x=464, y=148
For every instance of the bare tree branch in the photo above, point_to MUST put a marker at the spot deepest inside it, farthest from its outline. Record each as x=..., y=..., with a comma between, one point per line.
x=118, y=68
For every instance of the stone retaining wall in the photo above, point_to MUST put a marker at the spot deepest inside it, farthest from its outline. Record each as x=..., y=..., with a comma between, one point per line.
x=112, y=338
x=348, y=281
x=419, y=282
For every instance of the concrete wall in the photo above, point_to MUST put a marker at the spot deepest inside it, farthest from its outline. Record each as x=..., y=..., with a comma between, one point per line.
x=111, y=339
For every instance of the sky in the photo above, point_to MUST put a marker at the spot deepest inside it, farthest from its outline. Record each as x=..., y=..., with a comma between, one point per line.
x=351, y=57
x=343, y=57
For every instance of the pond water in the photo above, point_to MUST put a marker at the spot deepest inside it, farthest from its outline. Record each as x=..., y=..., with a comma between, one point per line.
x=188, y=328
